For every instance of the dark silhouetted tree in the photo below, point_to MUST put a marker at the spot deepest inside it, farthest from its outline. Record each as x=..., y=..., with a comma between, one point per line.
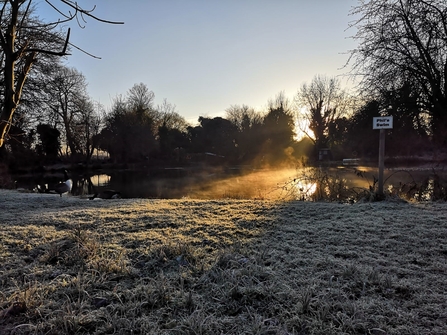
x=71, y=110
x=405, y=41
x=321, y=103
x=249, y=137
x=216, y=136
x=88, y=127
x=24, y=39
x=129, y=134
x=172, y=142
x=410, y=133
x=172, y=132
x=362, y=140
x=140, y=100
x=20, y=147
x=278, y=129
x=49, y=145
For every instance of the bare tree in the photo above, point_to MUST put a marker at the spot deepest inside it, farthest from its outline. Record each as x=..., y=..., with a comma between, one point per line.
x=401, y=42
x=131, y=126
x=24, y=40
x=89, y=126
x=320, y=104
x=243, y=117
x=69, y=106
x=168, y=117
x=140, y=99
x=250, y=135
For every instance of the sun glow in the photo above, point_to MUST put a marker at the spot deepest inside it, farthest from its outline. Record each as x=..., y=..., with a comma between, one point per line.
x=305, y=190
x=302, y=129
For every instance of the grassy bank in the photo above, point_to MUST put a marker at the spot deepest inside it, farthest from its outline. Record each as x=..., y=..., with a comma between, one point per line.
x=73, y=266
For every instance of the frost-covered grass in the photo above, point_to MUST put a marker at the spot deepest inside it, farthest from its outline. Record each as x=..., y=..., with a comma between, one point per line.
x=73, y=266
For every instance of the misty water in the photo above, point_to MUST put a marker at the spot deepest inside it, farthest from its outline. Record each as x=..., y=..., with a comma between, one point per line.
x=237, y=183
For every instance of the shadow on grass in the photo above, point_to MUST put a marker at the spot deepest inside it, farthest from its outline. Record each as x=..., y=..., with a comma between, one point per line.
x=225, y=267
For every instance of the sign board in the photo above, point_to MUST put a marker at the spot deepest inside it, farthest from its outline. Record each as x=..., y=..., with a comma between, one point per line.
x=383, y=122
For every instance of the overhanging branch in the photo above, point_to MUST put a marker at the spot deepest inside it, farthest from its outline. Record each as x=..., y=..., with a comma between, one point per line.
x=78, y=9
x=63, y=52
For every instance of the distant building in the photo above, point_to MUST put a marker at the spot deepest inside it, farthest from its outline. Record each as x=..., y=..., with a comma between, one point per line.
x=324, y=154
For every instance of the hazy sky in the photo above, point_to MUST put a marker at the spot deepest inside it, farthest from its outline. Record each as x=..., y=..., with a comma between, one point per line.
x=206, y=55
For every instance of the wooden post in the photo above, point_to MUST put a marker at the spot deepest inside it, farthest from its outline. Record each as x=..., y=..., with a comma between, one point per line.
x=382, y=123
x=381, y=160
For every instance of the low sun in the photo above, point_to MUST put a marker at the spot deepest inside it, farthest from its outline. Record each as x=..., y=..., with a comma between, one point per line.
x=302, y=129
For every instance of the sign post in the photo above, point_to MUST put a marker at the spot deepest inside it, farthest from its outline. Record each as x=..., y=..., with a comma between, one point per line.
x=382, y=123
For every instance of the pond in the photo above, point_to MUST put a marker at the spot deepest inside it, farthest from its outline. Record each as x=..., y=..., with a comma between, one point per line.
x=309, y=183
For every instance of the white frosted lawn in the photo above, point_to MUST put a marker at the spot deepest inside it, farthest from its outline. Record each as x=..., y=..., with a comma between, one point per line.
x=222, y=267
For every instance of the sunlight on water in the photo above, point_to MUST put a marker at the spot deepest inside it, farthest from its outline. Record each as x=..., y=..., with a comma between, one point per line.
x=302, y=183
x=100, y=180
x=269, y=184
x=427, y=192
x=244, y=182
x=304, y=191
x=262, y=184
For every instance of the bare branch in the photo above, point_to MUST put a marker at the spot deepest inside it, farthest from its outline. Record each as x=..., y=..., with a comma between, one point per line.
x=79, y=10
x=23, y=38
x=401, y=42
x=63, y=52
x=69, y=18
x=83, y=51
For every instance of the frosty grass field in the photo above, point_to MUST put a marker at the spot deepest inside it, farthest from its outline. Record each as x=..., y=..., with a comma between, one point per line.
x=141, y=266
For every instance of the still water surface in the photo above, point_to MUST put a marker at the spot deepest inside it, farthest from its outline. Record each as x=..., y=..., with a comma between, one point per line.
x=235, y=183
x=254, y=184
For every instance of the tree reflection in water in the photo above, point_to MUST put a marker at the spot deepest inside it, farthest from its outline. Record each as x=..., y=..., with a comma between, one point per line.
x=305, y=184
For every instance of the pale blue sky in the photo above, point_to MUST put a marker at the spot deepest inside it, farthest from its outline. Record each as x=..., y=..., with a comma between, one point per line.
x=206, y=55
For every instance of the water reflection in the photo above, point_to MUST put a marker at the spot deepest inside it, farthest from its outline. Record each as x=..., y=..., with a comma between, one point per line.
x=305, y=190
x=99, y=180
x=432, y=188
x=286, y=184
x=205, y=185
x=314, y=184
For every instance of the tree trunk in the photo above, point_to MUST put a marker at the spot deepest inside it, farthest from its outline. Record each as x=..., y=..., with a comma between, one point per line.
x=13, y=87
x=439, y=123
